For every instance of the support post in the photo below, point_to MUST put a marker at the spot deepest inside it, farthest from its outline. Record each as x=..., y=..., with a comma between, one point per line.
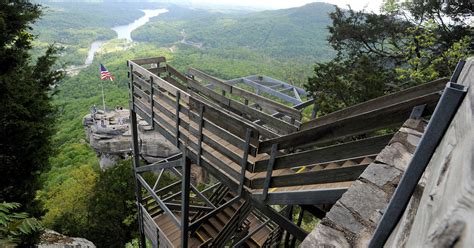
x=244, y=161
x=178, y=106
x=268, y=178
x=290, y=217
x=136, y=163
x=152, y=103
x=201, y=123
x=185, y=188
x=298, y=223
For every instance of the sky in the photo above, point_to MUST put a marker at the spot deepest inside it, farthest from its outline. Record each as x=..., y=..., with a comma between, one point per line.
x=372, y=5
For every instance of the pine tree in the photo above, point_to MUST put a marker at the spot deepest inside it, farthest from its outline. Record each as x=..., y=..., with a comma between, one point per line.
x=26, y=112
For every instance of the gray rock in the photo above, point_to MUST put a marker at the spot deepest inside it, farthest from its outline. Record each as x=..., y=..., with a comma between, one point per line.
x=327, y=237
x=109, y=135
x=396, y=155
x=342, y=217
x=380, y=174
x=364, y=199
x=52, y=239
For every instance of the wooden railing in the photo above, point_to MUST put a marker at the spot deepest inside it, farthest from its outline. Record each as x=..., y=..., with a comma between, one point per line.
x=225, y=136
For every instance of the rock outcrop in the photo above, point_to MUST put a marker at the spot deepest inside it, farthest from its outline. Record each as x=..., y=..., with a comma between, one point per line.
x=52, y=239
x=109, y=135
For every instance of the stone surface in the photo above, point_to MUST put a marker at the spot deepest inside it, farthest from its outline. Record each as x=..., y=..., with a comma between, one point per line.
x=364, y=199
x=342, y=217
x=380, y=174
x=395, y=154
x=109, y=135
x=357, y=213
x=325, y=238
x=52, y=239
x=445, y=213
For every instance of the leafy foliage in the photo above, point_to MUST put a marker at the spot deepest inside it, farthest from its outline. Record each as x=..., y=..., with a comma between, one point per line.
x=28, y=115
x=15, y=225
x=408, y=44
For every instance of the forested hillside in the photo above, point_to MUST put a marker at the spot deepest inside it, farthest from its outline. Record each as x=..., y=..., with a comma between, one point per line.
x=296, y=33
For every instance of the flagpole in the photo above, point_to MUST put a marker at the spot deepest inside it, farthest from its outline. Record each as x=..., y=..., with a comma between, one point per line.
x=103, y=98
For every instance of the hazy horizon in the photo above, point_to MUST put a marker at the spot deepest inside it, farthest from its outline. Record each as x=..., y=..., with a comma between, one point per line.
x=262, y=4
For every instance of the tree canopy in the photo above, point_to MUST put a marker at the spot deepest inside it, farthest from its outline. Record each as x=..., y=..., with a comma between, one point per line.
x=27, y=114
x=409, y=43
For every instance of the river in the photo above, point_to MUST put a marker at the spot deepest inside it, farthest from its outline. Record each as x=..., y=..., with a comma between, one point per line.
x=124, y=32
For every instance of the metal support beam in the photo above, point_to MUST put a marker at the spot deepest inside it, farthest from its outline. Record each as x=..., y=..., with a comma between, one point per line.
x=280, y=220
x=445, y=110
x=198, y=222
x=305, y=197
x=195, y=190
x=185, y=188
x=136, y=164
x=158, y=200
x=158, y=167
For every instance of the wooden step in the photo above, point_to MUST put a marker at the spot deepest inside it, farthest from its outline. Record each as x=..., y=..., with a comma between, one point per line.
x=367, y=160
x=348, y=163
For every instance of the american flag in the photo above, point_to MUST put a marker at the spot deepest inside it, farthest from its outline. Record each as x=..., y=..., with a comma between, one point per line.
x=104, y=74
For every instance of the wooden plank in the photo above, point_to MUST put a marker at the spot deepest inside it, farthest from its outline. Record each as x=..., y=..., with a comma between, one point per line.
x=176, y=73
x=386, y=117
x=327, y=154
x=303, y=197
x=377, y=103
x=142, y=72
x=276, y=123
x=224, y=120
x=341, y=174
x=262, y=101
x=166, y=111
x=157, y=70
x=264, y=132
x=145, y=61
x=175, y=83
x=208, y=139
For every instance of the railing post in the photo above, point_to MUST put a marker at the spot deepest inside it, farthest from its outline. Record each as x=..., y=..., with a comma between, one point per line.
x=152, y=103
x=201, y=123
x=132, y=96
x=244, y=161
x=268, y=178
x=178, y=106
x=136, y=163
x=445, y=111
x=185, y=188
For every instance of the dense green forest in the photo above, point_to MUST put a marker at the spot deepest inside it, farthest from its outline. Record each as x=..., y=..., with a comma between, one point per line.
x=295, y=34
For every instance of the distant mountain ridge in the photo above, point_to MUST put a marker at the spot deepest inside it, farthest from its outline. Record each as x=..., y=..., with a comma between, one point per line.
x=298, y=33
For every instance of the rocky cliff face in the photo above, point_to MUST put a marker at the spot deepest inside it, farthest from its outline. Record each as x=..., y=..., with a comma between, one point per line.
x=109, y=135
